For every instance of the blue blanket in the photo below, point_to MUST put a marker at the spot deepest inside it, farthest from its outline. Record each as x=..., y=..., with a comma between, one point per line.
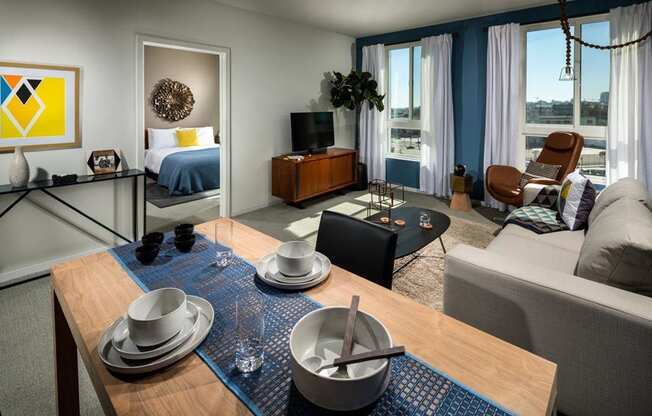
x=192, y=171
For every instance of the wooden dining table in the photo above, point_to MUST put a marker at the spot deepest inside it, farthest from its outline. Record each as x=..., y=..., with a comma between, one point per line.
x=90, y=292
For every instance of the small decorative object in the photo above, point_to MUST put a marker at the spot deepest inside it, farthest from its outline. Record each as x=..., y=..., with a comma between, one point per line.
x=64, y=180
x=172, y=100
x=353, y=90
x=459, y=170
x=18, y=168
x=384, y=220
x=399, y=222
x=39, y=106
x=103, y=161
x=424, y=220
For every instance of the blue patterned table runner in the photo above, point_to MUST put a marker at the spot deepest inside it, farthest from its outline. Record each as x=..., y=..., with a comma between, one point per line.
x=415, y=387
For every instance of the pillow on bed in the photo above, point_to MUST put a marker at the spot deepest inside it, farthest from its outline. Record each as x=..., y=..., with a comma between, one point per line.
x=187, y=137
x=162, y=138
x=206, y=136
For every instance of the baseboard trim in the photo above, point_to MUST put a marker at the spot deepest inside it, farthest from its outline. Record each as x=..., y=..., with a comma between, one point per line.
x=23, y=274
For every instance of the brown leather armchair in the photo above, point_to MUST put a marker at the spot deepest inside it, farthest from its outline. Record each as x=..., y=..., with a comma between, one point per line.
x=560, y=148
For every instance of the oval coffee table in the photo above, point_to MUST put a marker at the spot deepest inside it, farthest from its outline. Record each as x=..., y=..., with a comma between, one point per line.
x=411, y=237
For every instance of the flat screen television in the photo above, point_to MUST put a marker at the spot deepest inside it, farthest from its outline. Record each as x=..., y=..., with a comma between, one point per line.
x=312, y=132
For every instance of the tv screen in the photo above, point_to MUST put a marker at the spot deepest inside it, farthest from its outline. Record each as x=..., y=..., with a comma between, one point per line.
x=312, y=131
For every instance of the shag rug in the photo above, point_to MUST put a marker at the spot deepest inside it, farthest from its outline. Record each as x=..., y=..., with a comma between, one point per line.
x=423, y=279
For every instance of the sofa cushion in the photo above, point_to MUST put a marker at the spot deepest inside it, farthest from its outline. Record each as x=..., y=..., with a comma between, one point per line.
x=624, y=188
x=565, y=240
x=576, y=199
x=534, y=252
x=618, y=247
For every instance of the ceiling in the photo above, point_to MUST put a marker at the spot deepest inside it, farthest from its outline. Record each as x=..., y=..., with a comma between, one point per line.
x=370, y=17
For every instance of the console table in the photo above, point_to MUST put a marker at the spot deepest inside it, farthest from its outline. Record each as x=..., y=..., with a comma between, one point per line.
x=45, y=185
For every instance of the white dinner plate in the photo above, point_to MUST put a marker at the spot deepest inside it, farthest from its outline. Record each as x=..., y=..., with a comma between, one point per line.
x=274, y=273
x=116, y=363
x=263, y=267
x=128, y=349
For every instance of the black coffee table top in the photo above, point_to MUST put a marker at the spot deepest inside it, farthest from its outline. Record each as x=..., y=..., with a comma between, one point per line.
x=411, y=237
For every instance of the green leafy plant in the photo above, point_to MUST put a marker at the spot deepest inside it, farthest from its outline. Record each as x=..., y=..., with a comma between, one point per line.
x=352, y=90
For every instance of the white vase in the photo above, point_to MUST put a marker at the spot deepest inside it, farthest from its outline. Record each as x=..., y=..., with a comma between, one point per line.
x=18, y=168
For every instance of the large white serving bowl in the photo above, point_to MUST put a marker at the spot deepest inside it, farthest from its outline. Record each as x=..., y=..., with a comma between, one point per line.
x=156, y=316
x=321, y=333
x=295, y=258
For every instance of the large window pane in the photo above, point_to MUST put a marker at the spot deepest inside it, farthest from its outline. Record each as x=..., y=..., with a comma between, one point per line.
x=548, y=100
x=416, y=83
x=595, y=76
x=399, y=83
x=405, y=142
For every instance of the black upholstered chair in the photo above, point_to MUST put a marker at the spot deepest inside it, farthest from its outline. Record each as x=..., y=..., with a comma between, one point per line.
x=358, y=246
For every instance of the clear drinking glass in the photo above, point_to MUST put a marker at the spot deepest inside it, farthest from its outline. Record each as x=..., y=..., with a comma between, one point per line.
x=250, y=329
x=224, y=239
x=424, y=219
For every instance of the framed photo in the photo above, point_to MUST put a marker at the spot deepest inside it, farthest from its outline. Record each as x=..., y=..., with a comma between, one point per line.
x=39, y=107
x=103, y=161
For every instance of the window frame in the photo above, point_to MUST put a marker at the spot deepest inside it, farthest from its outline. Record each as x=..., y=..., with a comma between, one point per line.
x=400, y=123
x=543, y=130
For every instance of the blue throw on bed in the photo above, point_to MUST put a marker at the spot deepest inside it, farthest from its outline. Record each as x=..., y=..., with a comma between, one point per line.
x=191, y=171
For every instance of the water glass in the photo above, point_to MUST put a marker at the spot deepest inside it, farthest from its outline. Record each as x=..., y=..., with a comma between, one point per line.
x=424, y=219
x=224, y=238
x=250, y=331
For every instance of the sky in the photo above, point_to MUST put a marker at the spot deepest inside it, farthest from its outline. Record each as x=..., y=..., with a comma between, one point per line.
x=545, y=57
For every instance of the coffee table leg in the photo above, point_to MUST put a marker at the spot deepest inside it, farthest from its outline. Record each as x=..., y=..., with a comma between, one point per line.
x=65, y=359
x=442, y=245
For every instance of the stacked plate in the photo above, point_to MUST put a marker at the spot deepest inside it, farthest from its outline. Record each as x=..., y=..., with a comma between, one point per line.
x=160, y=328
x=294, y=266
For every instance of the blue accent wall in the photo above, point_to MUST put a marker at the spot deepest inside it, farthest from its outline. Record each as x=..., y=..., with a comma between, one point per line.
x=469, y=67
x=402, y=171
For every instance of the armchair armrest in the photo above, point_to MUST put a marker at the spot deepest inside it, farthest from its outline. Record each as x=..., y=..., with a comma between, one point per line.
x=599, y=336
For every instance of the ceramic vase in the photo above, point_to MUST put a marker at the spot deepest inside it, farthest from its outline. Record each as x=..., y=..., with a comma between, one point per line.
x=18, y=168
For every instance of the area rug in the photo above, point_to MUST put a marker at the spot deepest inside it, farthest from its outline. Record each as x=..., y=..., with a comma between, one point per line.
x=423, y=279
x=158, y=195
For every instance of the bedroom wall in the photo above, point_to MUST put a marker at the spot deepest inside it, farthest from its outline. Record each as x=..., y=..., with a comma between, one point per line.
x=277, y=67
x=199, y=71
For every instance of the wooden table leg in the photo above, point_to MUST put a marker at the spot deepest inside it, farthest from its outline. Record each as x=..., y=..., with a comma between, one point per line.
x=65, y=359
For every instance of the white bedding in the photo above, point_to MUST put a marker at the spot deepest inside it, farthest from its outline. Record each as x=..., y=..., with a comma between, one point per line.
x=154, y=157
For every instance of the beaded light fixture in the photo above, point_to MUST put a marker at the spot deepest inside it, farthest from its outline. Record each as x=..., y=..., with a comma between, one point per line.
x=567, y=72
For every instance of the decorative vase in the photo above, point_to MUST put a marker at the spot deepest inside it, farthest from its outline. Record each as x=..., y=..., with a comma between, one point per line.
x=18, y=168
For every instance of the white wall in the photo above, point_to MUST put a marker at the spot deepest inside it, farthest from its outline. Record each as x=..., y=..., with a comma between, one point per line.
x=277, y=67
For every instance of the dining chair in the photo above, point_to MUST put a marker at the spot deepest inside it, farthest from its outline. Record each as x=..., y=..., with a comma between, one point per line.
x=359, y=246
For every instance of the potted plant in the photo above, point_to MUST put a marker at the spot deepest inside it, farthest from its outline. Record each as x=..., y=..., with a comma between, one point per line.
x=353, y=90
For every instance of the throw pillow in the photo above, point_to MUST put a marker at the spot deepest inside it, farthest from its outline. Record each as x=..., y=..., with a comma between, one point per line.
x=187, y=137
x=576, y=199
x=617, y=250
x=539, y=170
x=624, y=188
x=161, y=138
x=547, y=197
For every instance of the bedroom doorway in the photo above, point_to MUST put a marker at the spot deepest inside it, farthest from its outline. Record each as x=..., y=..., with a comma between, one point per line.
x=184, y=130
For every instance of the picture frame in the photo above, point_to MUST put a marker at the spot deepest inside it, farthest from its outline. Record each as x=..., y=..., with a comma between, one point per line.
x=104, y=161
x=39, y=107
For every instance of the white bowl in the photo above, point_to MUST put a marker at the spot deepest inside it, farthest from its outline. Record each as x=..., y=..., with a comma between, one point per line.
x=295, y=258
x=321, y=333
x=157, y=316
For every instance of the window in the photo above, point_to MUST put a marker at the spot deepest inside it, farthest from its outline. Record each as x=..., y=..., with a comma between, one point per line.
x=580, y=105
x=404, y=100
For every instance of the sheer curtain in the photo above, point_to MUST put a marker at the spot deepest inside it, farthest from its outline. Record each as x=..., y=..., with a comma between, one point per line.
x=630, y=98
x=373, y=131
x=503, y=84
x=437, y=129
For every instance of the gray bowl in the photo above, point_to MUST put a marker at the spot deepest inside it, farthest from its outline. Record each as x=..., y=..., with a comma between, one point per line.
x=321, y=333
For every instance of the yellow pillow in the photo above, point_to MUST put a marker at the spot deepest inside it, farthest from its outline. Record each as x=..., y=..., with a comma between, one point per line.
x=187, y=137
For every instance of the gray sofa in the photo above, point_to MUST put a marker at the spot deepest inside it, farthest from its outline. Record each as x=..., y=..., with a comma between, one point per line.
x=522, y=288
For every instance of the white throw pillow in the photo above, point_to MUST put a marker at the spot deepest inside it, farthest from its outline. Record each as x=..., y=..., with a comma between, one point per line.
x=205, y=135
x=162, y=138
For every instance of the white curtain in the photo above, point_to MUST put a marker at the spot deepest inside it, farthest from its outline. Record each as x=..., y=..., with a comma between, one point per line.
x=503, y=84
x=373, y=131
x=630, y=101
x=437, y=129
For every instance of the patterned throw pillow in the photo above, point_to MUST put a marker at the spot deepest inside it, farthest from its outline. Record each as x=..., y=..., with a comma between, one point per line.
x=539, y=170
x=576, y=200
x=547, y=197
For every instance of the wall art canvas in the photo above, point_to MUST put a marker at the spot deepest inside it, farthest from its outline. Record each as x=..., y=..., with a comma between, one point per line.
x=39, y=107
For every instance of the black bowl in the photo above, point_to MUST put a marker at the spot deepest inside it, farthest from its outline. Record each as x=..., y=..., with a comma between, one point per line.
x=184, y=242
x=153, y=238
x=147, y=253
x=184, y=229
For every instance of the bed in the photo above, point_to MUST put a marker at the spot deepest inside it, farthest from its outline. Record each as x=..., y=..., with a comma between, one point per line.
x=183, y=170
